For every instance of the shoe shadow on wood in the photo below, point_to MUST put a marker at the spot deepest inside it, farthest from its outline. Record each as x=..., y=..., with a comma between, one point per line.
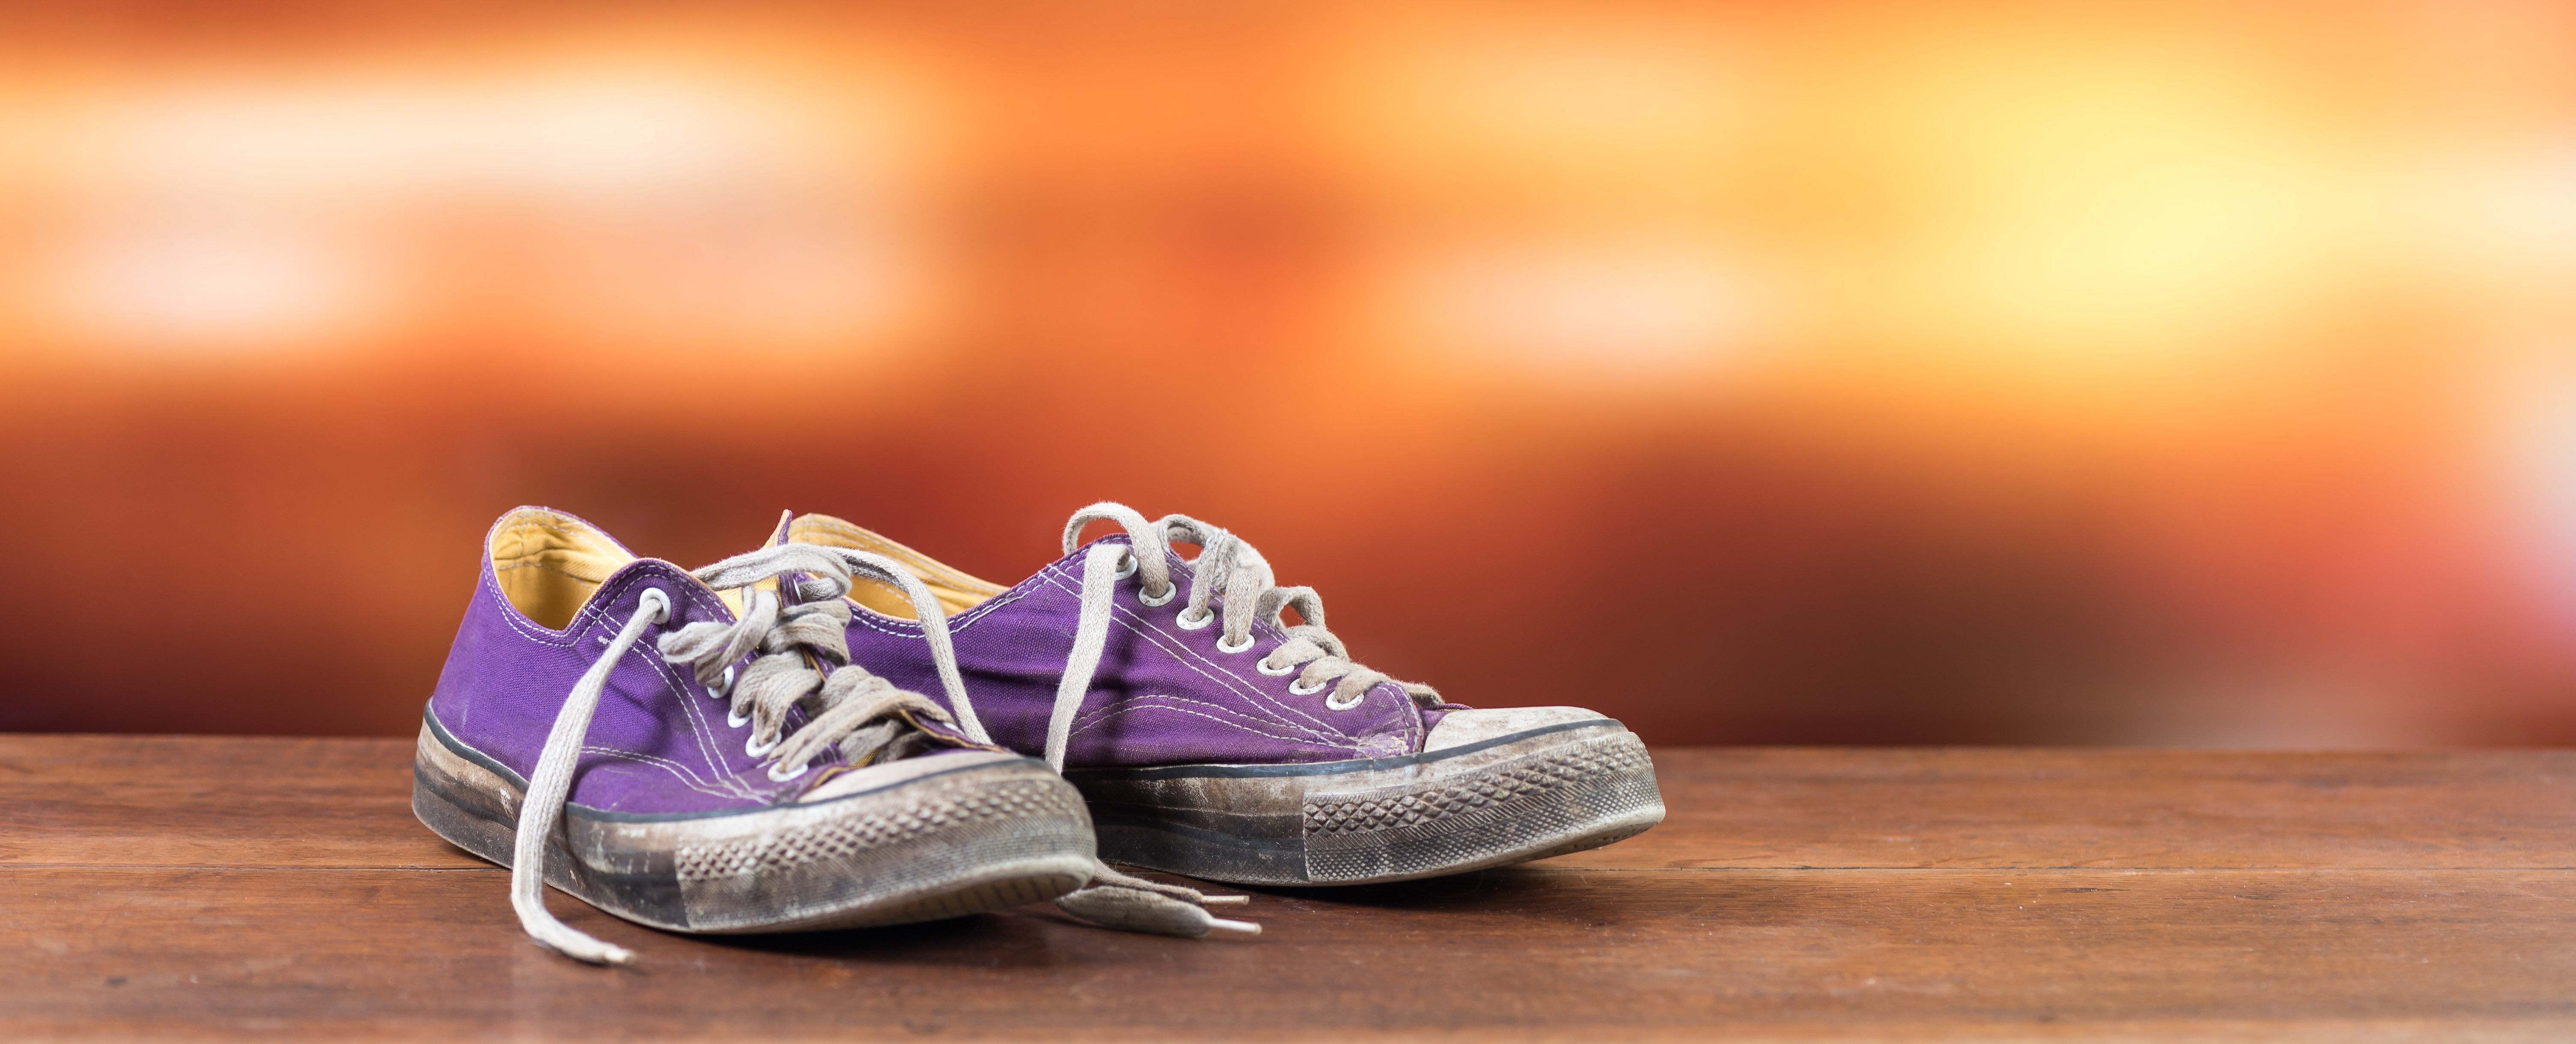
x=1003, y=939
x=1568, y=899
x=1507, y=892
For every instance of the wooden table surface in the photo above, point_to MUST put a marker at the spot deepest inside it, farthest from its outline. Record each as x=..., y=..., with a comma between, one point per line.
x=265, y=888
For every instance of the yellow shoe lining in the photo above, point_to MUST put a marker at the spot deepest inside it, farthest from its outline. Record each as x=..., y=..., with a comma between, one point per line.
x=956, y=591
x=549, y=564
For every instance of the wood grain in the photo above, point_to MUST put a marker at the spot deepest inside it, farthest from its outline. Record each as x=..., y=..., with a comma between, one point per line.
x=225, y=801
x=212, y=801
x=1787, y=807
x=225, y=888
x=340, y=953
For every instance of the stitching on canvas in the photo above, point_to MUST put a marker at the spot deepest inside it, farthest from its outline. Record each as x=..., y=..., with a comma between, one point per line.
x=1173, y=647
x=1180, y=652
x=1131, y=706
x=1276, y=635
x=912, y=628
x=1167, y=701
x=701, y=727
x=1086, y=720
x=1231, y=681
x=677, y=770
x=590, y=616
x=676, y=686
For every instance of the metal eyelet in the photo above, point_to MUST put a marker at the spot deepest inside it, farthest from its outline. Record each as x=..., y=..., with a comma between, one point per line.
x=717, y=690
x=1331, y=704
x=651, y=595
x=774, y=777
x=1263, y=665
x=1126, y=567
x=1247, y=644
x=1206, y=617
x=735, y=719
x=1299, y=688
x=1170, y=591
x=751, y=744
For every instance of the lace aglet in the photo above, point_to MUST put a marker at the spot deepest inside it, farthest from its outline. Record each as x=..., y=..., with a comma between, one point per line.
x=590, y=951
x=1225, y=900
x=1221, y=926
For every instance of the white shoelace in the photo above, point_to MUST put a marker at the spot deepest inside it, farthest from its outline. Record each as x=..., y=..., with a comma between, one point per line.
x=1226, y=566
x=862, y=713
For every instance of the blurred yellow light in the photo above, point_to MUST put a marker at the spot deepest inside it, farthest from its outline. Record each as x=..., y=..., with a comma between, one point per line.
x=213, y=281
x=2498, y=221
x=2091, y=199
x=1596, y=106
x=655, y=201
x=1595, y=305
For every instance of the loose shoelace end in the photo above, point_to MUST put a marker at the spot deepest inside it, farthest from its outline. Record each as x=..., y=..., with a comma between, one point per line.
x=1116, y=900
x=1221, y=926
x=587, y=950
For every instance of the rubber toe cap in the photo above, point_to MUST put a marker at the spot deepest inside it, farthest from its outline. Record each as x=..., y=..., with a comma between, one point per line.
x=1459, y=728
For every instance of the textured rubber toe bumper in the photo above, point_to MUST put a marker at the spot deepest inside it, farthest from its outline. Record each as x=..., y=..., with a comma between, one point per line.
x=1528, y=795
x=960, y=834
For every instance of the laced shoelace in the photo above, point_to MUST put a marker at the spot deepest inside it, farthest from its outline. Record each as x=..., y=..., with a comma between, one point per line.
x=1226, y=567
x=804, y=661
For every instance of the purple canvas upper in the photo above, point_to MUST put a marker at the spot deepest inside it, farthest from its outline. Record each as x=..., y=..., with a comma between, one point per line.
x=1163, y=694
x=659, y=742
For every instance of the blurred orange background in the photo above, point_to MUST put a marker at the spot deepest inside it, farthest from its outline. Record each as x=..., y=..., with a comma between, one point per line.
x=1840, y=372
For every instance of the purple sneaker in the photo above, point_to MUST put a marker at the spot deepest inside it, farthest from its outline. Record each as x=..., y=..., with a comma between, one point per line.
x=1217, y=740
x=743, y=776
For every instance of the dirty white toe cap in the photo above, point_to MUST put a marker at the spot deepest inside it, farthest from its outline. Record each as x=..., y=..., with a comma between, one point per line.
x=1459, y=728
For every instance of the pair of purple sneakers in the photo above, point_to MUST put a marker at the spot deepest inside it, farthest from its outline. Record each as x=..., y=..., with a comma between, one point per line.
x=799, y=751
